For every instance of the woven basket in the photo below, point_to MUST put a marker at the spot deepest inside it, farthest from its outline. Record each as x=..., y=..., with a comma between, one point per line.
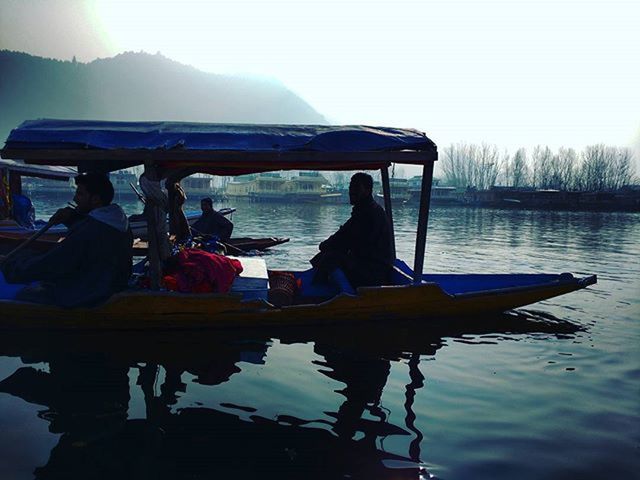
x=282, y=288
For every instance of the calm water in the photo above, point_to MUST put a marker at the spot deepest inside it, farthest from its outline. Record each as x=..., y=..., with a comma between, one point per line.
x=552, y=391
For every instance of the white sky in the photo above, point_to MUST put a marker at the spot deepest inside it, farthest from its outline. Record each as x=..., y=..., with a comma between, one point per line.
x=511, y=73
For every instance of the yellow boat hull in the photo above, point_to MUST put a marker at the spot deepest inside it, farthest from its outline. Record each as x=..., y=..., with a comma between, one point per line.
x=136, y=310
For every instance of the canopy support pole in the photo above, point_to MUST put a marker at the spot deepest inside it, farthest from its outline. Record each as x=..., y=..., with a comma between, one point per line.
x=423, y=220
x=153, y=252
x=5, y=194
x=386, y=190
x=15, y=183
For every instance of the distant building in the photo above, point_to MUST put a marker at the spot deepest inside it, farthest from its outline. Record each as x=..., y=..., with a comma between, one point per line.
x=240, y=187
x=307, y=187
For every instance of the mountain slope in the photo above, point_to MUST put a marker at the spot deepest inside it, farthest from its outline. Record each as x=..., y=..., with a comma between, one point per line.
x=138, y=86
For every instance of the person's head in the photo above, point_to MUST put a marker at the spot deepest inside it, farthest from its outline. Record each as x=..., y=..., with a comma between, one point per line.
x=93, y=190
x=360, y=187
x=206, y=204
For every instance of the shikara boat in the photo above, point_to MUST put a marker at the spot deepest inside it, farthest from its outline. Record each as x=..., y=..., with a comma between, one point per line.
x=12, y=234
x=138, y=223
x=11, y=238
x=187, y=148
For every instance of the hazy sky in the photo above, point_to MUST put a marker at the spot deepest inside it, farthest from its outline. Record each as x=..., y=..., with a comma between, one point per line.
x=513, y=73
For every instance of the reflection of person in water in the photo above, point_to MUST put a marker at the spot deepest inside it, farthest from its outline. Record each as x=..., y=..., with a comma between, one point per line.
x=87, y=399
x=215, y=368
x=363, y=391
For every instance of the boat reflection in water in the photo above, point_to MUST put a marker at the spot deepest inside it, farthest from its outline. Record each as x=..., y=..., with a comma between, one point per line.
x=88, y=397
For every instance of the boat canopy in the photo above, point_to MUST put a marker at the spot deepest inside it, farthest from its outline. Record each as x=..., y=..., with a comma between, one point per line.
x=219, y=149
x=39, y=171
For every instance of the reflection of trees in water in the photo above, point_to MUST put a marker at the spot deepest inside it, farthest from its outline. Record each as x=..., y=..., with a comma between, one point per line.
x=87, y=394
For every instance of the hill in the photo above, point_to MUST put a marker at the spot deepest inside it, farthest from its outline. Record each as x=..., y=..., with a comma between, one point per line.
x=138, y=86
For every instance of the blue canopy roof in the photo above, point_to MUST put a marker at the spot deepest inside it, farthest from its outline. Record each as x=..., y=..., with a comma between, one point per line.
x=213, y=147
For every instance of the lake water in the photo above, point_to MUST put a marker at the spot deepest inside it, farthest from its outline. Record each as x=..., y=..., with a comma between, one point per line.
x=551, y=391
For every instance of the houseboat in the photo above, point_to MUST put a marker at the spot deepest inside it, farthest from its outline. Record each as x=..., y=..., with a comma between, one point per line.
x=400, y=193
x=302, y=187
x=268, y=187
x=240, y=187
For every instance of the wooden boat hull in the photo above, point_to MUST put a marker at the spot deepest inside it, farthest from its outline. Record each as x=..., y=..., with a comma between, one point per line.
x=11, y=239
x=144, y=310
x=248, y=243
x=138, y=223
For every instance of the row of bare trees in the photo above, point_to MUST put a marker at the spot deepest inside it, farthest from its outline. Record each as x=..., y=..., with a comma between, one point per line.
x=596, y=168
x=471, y=165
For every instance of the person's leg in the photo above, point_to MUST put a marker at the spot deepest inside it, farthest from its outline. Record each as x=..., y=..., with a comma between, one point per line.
x=324, y=263
x=37, y=293
x=339, y=279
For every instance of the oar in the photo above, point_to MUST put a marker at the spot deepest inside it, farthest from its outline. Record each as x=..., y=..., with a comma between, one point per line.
x=233, y=249
x=137, y=192
x=27, y=242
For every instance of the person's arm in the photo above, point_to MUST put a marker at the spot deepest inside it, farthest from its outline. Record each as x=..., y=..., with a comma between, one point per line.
x=218, y=225
x=62, y=260
x=205, y=225
x=197, y=227
x=341, y=240
x=226, y=228
x=67, y=216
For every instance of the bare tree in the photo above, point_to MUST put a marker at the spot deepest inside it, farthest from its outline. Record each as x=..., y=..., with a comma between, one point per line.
x=623, y=169
x=562, y=169
x=487, y=166
x=542, y=159
x=454, y=165
x=605, y=168
x=518, y=170
x=597, y=168
x=594, y=168
x=467, y=165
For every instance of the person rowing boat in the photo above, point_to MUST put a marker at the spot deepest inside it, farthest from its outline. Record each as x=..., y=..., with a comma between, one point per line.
x=212, y=222
x=94, y=260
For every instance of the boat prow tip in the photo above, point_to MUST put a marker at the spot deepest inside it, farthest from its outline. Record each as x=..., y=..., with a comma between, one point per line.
x=586, y=281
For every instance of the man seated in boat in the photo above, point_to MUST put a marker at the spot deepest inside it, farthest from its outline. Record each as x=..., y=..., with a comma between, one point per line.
x=362, y=247
x=92, y=262
x=212, y=222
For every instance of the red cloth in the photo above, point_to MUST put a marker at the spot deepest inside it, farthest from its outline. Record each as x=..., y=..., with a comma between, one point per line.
x=202, y=272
